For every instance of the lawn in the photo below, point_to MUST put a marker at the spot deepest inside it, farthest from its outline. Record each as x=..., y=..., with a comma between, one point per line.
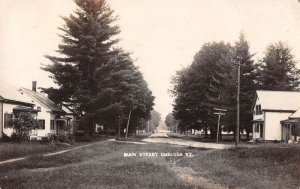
x=103, y=165
x=10, y=150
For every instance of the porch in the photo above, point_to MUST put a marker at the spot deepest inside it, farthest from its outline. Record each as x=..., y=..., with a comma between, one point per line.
x=258, y=129
x=290, y=129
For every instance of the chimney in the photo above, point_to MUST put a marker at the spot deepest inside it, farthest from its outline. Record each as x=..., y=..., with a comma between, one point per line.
x=34, y=86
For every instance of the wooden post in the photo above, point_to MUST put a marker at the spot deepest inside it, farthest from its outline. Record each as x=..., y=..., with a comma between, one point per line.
x=219, y=113
x=119, y=134
x=237, y=137
x=219, y=116
x=128, y=123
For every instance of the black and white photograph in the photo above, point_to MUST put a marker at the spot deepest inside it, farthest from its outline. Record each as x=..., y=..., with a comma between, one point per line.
x=150, y=94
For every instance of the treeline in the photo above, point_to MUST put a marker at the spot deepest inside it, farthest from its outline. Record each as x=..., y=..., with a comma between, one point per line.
x=211, y=82
x=96, y=79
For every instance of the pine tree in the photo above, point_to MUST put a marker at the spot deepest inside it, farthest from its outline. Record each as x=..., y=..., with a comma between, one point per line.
x=97, y=80
x=206, y=84
x=278, y=70
x=248, y=82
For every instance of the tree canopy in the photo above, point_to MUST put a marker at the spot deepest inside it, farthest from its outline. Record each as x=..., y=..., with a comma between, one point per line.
x=94, y=77
x=278, y=70
x=210, y=82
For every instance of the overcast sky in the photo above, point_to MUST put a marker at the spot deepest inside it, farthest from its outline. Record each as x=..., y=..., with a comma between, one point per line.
x=163, y=35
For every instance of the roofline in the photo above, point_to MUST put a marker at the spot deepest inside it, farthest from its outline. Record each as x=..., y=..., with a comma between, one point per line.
x=16, y=102
x=275, y=110
x=277, y=91
x=22, y=88
x=53, y=111
x=254, y=101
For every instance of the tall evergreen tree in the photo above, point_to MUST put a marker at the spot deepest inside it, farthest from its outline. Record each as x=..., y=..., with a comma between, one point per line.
x=201, y=87
x=278, y=70
x=248, y=82
x=100, y=82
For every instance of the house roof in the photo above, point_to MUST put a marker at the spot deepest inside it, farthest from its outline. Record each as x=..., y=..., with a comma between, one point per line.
x=278, y=100
x=67, y=110
x=10, y=94
x=296, y=114
x=43, y=100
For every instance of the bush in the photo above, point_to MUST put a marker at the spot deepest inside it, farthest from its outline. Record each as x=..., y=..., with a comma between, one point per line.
x=54, y=139
x=5, y=138
x=16, y=137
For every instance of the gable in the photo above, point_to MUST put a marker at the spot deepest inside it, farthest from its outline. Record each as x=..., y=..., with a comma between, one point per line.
x=9, y=94
x=277, y=100
x=42, y=100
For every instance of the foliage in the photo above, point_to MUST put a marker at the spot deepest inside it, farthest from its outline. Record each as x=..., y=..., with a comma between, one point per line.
x=249, y=82
x=154, y=120
x=5, y=138
x=23, y=124
x=54, y=139
x=96, y=79
x=210, y=82
x=206, y=84
x=170, y=121
x=278, y=69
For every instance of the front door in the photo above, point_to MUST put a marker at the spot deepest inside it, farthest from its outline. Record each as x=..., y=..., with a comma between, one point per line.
x=60, y=125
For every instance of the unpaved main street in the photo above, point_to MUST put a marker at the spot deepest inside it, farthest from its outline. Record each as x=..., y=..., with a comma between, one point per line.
x=161, y=136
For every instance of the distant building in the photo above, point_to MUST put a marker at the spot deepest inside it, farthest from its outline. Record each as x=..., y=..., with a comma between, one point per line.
x=276, y=115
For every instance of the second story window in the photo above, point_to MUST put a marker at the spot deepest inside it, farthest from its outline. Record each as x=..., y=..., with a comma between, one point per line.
x=258, y=110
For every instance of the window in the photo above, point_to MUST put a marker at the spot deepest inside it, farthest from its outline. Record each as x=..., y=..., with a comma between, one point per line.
x=41, y=123
x=258, y=110
x=7, y=118
x=52, y=124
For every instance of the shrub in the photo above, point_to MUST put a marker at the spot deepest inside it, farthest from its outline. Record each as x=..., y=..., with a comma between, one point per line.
x=15, y=137
x=23, y=124
x=5, y=138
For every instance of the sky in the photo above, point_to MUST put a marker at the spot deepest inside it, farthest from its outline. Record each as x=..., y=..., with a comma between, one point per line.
x=162, y=35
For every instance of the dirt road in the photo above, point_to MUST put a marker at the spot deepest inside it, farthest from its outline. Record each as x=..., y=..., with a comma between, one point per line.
x=161, y=136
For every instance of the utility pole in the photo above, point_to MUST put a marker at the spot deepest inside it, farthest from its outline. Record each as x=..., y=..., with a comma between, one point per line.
x=237, y=137
x=237, y=132
x=119, y=127
x=219, y=112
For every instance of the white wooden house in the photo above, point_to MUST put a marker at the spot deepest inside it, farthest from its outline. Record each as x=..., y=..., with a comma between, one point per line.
x=273, y=113
x=11, y=101
x=54, y=119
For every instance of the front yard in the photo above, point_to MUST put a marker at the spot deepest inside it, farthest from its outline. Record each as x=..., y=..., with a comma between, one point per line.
x=103, y=165
x=10, y=150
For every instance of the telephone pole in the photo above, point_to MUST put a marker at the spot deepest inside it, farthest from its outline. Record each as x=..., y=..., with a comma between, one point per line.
x=237, y=132
x=220, y=112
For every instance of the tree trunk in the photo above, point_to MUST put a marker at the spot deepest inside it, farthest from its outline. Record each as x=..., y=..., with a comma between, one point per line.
x=248, y=135
x=128, y=123
x=205, y=132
